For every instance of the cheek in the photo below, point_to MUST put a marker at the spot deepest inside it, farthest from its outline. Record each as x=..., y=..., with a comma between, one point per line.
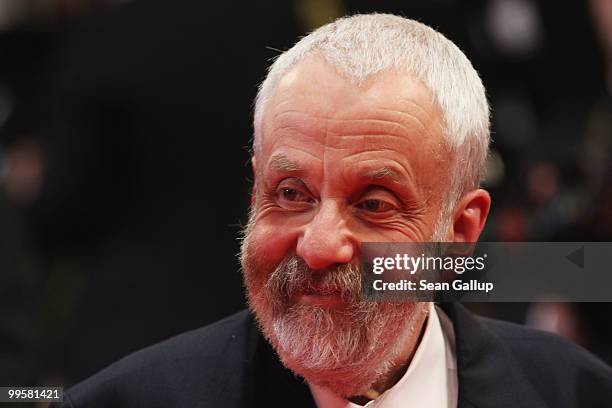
x=399, y=233
x=266, y=246
x=415, y=229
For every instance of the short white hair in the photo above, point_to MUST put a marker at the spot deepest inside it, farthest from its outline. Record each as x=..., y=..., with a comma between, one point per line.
x=364, y=44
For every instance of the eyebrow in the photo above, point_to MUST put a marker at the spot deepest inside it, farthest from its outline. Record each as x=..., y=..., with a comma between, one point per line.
x=385, y=172
x=280, y=162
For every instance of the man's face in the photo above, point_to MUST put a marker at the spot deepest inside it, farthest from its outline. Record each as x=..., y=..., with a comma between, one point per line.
x=339, y=165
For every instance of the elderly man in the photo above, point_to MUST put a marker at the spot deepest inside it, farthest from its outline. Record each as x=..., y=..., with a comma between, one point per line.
x=373, y=128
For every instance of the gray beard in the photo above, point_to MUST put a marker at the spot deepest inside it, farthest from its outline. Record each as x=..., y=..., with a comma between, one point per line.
x=344, y=349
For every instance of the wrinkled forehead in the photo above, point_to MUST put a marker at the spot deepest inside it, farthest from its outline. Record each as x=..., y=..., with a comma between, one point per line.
x=315, y=102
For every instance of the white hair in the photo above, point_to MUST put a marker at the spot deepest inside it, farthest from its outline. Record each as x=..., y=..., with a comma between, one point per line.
x=362, y=45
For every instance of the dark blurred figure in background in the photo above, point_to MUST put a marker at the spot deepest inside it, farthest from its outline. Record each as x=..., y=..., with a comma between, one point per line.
x=31, y=326
x=109, y=137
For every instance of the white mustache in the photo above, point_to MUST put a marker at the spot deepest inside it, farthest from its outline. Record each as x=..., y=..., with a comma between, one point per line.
x=293, y=277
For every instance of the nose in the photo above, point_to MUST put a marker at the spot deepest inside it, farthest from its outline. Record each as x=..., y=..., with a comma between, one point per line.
x=326, y=240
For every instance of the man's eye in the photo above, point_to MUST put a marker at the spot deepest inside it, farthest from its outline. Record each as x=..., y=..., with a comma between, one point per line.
x=292, y=194
x=375, y=206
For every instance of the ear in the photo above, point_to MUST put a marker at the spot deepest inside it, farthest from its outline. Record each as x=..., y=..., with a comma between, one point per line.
x=470, y=216
x=254, y=187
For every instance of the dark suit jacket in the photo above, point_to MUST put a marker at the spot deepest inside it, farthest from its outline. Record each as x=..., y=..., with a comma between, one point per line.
x=228, y=364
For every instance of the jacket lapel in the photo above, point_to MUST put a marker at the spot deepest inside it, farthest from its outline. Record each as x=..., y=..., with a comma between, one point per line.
x=489, y=375
x=270, y=383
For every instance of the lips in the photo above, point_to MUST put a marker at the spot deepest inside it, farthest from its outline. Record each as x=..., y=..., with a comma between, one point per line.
x=318, y=300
